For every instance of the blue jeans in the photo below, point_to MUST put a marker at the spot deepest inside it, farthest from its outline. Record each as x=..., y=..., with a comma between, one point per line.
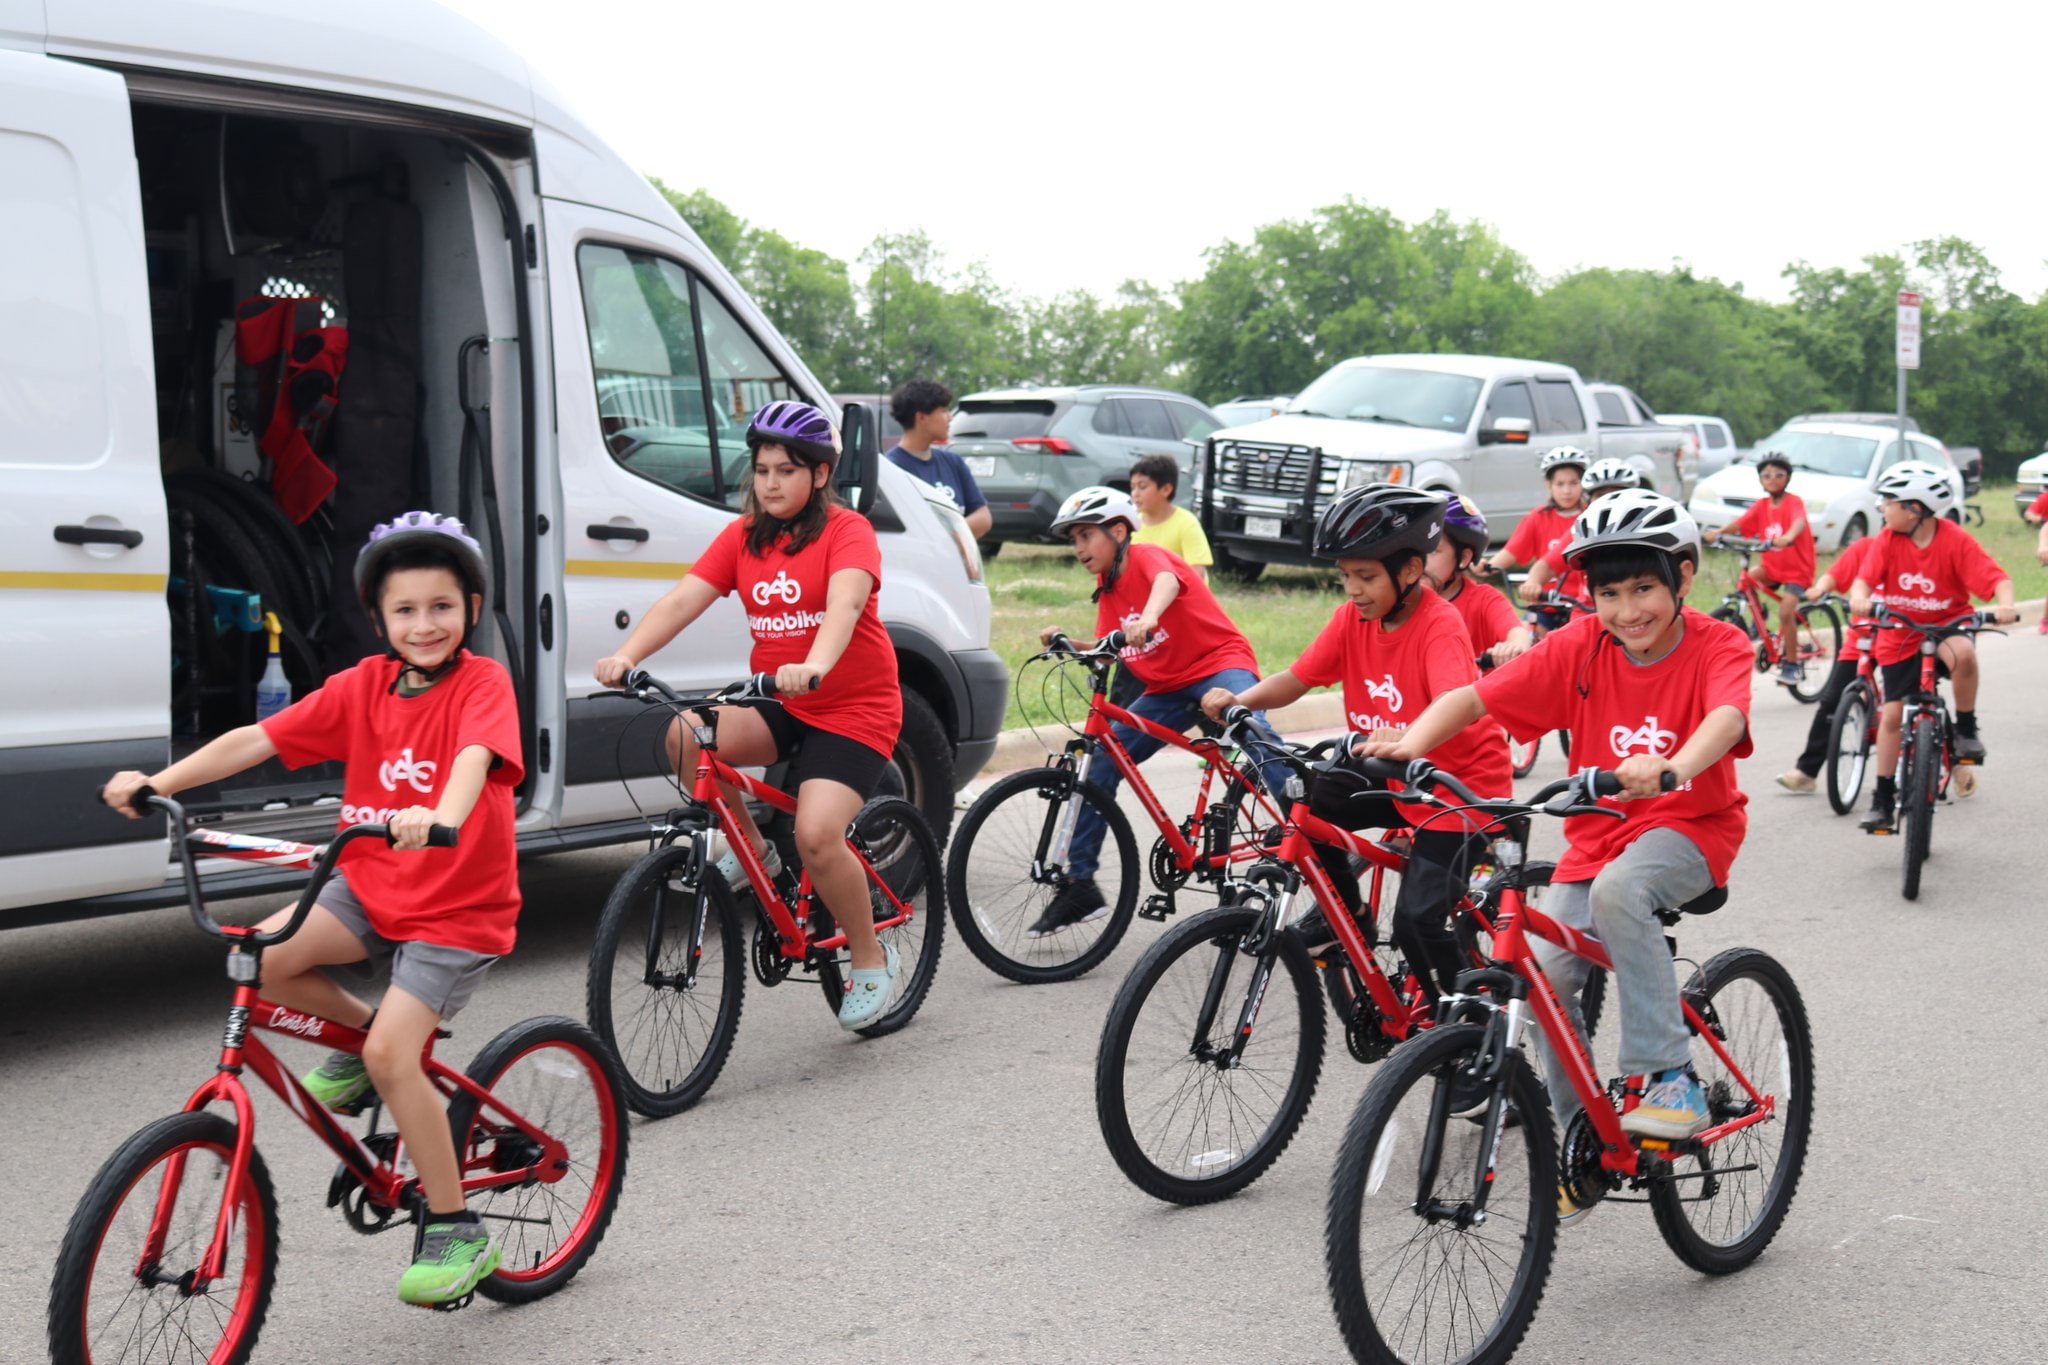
x=1175, y=710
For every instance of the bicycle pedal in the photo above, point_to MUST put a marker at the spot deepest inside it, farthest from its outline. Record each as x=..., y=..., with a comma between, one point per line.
x=1157, y=908
x=451, y=1305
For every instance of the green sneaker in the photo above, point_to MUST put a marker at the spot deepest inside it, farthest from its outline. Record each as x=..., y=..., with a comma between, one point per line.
x=339, y=1083
x=454, y=1254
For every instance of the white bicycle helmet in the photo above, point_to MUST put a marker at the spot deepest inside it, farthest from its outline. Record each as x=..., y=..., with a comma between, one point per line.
x=1095, y=506
x=1635, y=516
x=1561, y=456
x=1921, y=482
x=1608, y=474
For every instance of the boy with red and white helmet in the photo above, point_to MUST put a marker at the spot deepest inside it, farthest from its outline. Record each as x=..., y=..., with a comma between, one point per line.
x=1926, y=568
x=429, y=734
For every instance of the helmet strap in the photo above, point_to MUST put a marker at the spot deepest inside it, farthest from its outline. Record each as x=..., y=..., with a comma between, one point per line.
x=427, y=676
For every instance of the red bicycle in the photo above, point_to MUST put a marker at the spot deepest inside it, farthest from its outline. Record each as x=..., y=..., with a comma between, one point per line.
x=667, y=976
x=1819, y=632
x=1010, y=854
x=172, y=1252
x=1927, y=735
x=1442, y=1214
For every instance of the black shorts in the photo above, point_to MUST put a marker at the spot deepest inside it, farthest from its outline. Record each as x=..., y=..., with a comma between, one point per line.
x=820, y=753
x=1902, y=679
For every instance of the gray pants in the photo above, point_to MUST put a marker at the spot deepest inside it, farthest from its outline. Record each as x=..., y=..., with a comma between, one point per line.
x=1662, y=869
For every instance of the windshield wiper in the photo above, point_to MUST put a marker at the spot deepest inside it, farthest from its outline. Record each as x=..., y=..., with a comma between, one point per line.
x=1397, y=421
x=1309, y=412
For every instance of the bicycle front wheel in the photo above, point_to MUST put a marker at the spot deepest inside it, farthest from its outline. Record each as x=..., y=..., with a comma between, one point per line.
x=1819, y=644
x=1523, y=756
x=108, y=1304
x=1409, y=1280
x=1916, y=801
x=1849, y=747
x=667, y=980
x=999, y=901
x=557, y=1076
x=893, y=838
x=1720, y=1208
x=1185, y=1120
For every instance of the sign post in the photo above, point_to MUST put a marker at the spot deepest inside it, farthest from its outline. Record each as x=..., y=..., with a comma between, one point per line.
x=1907, y=337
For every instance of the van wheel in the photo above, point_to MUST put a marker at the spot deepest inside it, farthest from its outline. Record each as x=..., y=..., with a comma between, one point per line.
x=1232, y=569
x=921, y=769
x=989, y=548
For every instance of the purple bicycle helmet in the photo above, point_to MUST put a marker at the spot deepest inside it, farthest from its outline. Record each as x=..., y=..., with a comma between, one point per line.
x=1465, y=524
x=416, y=530
x=799, y=428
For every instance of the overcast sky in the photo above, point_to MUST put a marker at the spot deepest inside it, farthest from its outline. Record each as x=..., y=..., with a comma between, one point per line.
x=1083, y=144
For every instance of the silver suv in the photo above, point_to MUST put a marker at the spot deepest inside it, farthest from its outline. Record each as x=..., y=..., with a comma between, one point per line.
x=1029, y=448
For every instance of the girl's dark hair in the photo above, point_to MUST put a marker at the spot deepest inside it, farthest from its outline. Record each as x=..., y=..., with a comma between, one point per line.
x=1623, y=562
x=803, y=528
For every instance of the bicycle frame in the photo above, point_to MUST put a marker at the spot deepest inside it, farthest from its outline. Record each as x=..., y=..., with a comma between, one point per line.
x=1749, y=594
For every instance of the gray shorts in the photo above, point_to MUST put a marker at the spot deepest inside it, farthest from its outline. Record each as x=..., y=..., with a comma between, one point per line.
x=439, y=977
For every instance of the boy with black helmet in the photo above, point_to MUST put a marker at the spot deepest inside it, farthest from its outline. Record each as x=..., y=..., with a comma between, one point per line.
x=430, y=736
x=1395, y=646
x=1646, y=686
x=1778, y=518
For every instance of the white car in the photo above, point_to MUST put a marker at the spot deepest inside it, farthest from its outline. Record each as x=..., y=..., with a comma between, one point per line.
x=1834, y=471
x=2033, y=478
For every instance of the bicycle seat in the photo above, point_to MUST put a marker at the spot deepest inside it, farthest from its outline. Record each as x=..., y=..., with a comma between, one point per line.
x=1706, y=903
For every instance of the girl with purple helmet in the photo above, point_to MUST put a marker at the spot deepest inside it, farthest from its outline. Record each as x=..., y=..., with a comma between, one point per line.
x=1497, y=632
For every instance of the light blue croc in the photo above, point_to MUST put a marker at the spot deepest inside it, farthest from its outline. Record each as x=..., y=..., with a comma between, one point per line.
x=867, y=993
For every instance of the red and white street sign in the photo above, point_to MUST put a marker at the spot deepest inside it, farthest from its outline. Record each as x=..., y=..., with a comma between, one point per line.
x=1909, y=330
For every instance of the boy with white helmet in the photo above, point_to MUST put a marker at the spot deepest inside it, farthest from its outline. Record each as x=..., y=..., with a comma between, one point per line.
x=1927, y=568
x=1607, y=475
x=1549, y=527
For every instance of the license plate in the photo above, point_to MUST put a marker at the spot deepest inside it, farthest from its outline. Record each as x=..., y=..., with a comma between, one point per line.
x=981, y=466
x=1265, y=528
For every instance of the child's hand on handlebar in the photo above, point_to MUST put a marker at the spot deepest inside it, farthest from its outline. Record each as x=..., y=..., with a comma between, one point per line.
x=1385, y=742
x=612, y=670
x=120, y=792
x=794, y=680
x=1529, y=591
x=1216, y=701
x=2005, y=616
x=1859, y=604
x=1048, y=635
x=1505, y=650
x=1642, y=775
x=410, y=826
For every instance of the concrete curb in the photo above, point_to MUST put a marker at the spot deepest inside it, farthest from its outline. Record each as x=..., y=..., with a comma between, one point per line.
x=1026, y=748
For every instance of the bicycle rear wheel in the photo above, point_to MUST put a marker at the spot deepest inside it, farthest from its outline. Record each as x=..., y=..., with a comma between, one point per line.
x=1916, y=802
x=896, y=841
x=1523, y=756
x=1849, y=747
x=1182, y=1122
x=667, y=1019
x=106, y=1307
x=1411, y=1287
x=555, y=1074
x=1725, y=1205
x=1819, y=644
x=996, y=897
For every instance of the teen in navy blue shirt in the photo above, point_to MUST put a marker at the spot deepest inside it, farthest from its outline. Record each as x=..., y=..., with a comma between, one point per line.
x=923, y=408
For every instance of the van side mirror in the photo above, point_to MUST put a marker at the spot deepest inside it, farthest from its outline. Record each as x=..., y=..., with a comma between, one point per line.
x=859, y=472
x=1506, y=431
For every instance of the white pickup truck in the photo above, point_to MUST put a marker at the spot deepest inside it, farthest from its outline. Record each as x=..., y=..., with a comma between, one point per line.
x=1476, y=425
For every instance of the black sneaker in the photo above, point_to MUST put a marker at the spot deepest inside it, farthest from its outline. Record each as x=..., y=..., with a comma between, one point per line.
x=1075, y=903
x=1879, y=820
x=1969, y=749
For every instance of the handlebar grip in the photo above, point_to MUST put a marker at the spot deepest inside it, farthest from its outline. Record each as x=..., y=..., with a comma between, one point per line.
x=442, y=836
x=634, y=681
x=1114, y=642
x=139, y=803
x=764, y=683
x=1236, y=715
x=1385, y=769
x=1606, y=783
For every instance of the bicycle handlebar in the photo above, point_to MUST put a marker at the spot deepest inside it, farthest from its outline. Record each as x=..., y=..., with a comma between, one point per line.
x=1972, y=621
x=639, y=684
x=1583, y=788
x=1740, y=544
x=1104, y=650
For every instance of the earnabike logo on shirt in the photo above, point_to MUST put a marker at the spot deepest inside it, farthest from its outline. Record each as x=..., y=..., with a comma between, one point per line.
x=1649, y=739
x=782, y=586
x=1384, y=690
x=419, y=776
x=788, y=591
x=1911, y=581
x=1152, y=641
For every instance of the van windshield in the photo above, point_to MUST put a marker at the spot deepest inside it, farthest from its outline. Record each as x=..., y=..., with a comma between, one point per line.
x=1845, y=457
x=1378, y=393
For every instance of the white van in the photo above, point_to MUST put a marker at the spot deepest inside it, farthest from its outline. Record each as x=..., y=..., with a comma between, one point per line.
x=535, y=341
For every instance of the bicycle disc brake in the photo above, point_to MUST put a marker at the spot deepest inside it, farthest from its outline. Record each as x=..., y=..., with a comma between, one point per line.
x=771, y=968
x=347, y=1192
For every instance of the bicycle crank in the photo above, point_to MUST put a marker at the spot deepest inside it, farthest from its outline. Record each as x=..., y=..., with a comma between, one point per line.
x=771, y=968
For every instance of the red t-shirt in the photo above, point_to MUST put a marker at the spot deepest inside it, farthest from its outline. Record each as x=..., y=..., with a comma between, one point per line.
x=1767, y=520
x=1843, y=571
x=1195, y=639
x=1391, y=677
x=1582, y=680
x=398, y=752
x=1540, y=534
x=1930, y=585
x=2039, y=506
x=784, y=598
x=1487, y=616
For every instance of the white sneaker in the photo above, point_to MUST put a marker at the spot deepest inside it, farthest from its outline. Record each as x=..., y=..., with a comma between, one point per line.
x=1798, y=782
x=728, y=866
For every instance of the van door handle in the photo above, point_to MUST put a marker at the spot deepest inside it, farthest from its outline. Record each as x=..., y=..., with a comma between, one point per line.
x=97, y=535
x=596, y=532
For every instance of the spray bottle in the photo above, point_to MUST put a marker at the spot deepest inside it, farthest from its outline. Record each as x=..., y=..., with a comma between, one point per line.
x=273, y=693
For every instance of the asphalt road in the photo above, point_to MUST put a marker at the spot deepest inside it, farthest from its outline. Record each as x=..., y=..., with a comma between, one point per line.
x=944, y=1194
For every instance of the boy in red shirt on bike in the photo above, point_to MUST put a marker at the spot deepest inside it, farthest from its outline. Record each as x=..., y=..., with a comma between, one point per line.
x=1647, y=686
x=1778, y=518
x=1178, y=643
x=430, y=736
x=1548, y=528
x=1395, y=646
x=1497, y=633
x=1927, y=568
x=1804, y=775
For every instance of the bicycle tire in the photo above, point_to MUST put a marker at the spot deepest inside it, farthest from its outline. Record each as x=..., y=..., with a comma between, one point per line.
x=1821, y=623
x=1756, y=1047
x=573, y=1080
x=993, y=925
x=1849, y=747
x=670, y=1042
x=1522, y=757
x=1916, y=802
x=98, y=1232
x=1206, y=1173
x=1375, y=1182
x=900, y=847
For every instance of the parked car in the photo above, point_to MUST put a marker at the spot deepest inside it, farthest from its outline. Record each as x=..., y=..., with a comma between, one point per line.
x=2033, y=480
x=887, y=427
x=1717, y=443
x=1475, y=425
x=1868, y=419
x=561, y=346
x=1243, y=409
x=1834, y=471
x=1030, y=448
x=1970, y=460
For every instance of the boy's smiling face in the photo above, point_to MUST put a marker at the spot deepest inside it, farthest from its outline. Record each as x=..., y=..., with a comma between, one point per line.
x=426, y=615
x=1642, y=613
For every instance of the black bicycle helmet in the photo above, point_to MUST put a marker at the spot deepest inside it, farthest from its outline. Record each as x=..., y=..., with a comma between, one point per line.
x=1379, y=521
